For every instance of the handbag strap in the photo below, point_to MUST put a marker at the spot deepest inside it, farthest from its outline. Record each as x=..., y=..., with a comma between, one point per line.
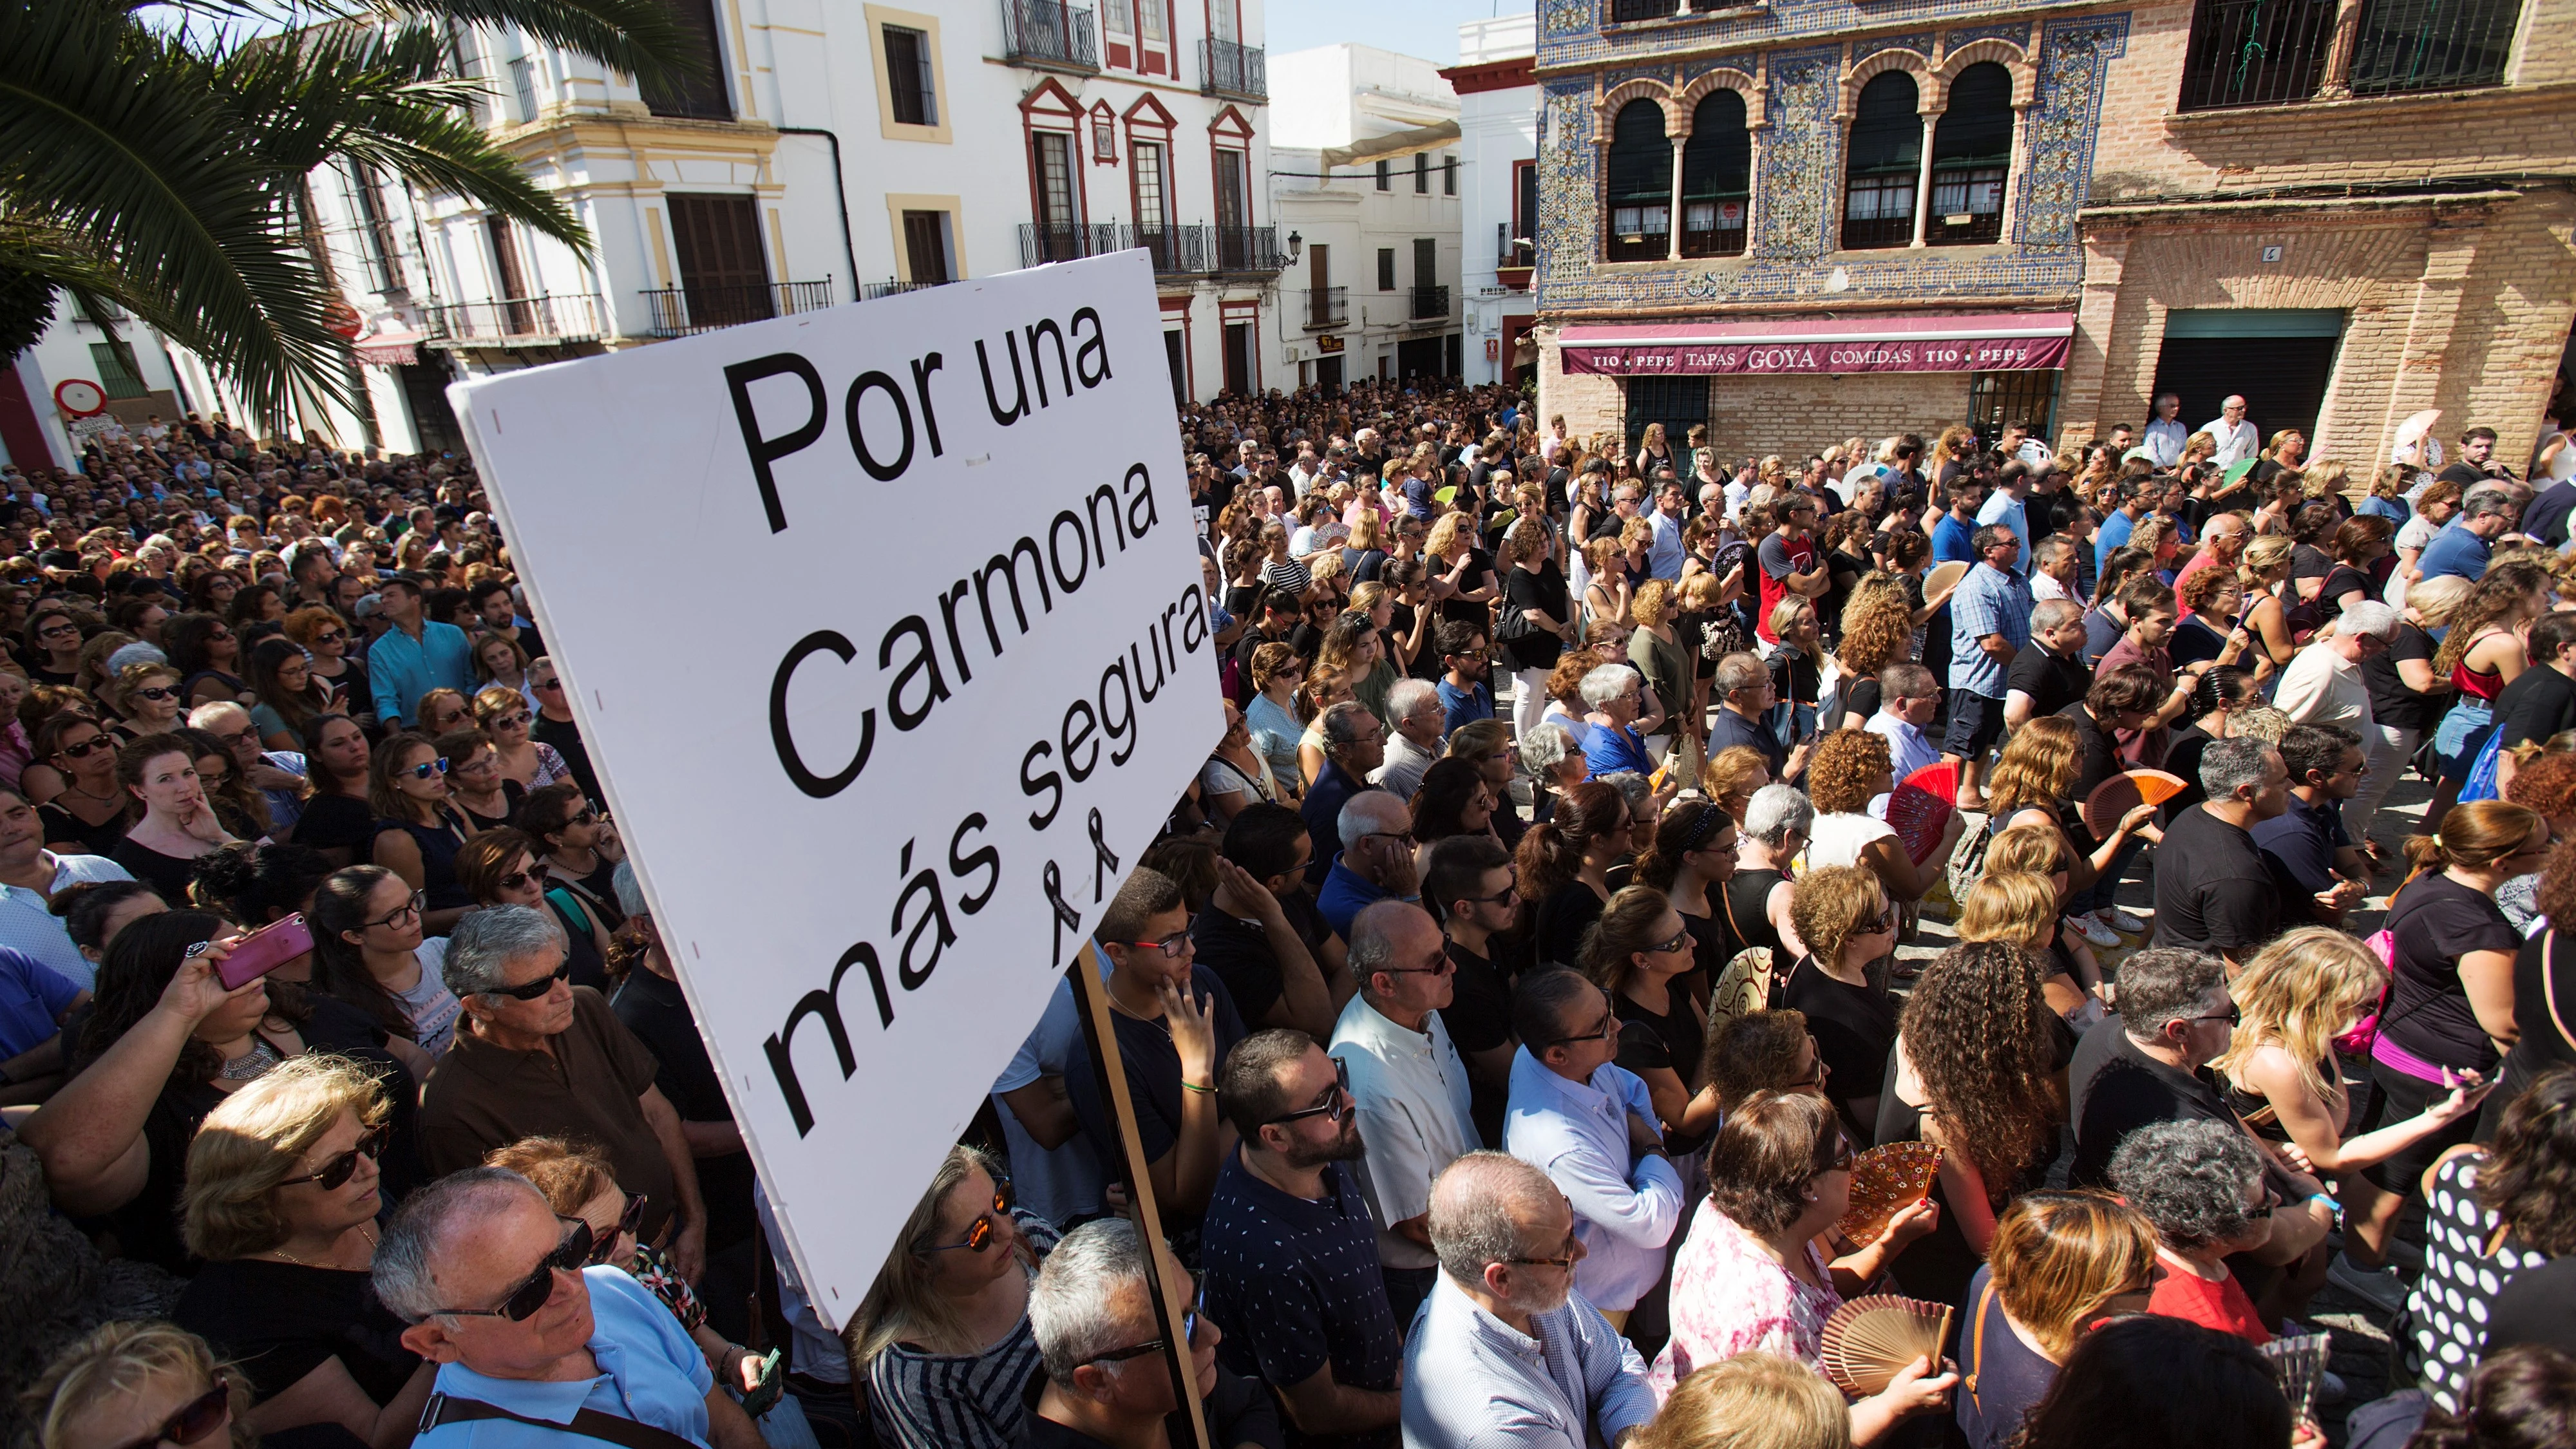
x=589, y=1423
x=2549, y=985
x=1977, y=1345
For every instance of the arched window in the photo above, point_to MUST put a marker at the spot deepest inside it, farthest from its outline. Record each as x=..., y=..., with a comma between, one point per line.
x=1971, y=154
x=1641, y=185
x=1886, y=163
x=1717, y=177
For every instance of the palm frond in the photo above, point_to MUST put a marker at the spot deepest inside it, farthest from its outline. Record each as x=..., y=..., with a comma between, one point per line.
x=644, y=38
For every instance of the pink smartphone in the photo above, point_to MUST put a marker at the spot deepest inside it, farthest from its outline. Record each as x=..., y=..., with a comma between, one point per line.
x=263, y=951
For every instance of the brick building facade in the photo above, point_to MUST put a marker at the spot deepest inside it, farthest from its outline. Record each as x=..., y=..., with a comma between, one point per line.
x=2348, y=212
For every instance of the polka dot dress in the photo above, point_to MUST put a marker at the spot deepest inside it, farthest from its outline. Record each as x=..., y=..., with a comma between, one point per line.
x=2456, y=1296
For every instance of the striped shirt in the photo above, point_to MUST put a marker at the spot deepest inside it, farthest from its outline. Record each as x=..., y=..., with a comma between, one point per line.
x=959, y=1400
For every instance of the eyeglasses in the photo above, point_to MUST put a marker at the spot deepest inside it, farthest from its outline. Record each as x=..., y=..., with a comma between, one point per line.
x=1608, y=1030
x=408, y=908
x=86, y=748
x=1337, y=1102
x=426, y=769
x=518, y=717
x=1189, y=1330
x=519, y=878
x=531, y=990
x=1171, y=946
x=1885, y=920
x=237, y=739
x=585, y=817
x=535, y=1290
x=2233, y=1015
x=340, y=1169
x=1405, y=835
x=1507, y=893
x=604, y=1248
x=1844, y=1156
x=1441, y=965
x=196, y=1419
x=979, y=1233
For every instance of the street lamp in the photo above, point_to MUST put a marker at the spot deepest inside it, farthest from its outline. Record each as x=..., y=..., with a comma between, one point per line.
x=1296, y=244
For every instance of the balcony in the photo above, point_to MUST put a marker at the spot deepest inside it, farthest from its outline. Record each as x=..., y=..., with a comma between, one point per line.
x=1248, y=249
x=684, y=311
x=1178, y=251
x=1239, y=72
x=1048, y=35
x=1327, y=307
x=870, y=291
x=1430, y=304
x=546, y=321
x=1055, y=241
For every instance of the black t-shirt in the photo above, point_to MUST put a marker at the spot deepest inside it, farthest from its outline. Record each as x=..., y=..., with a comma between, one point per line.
x=2052, y=681
x=62, y=825
x=1479, y=1019
x=2542, y=1038
x=338, y=822
x=2193, y=640
x=1153, y=1075
x=1544, y=591
x=1238, y=951
x=2114, y=1089
x=1479, y=565
x=281, y=1321
x=2538, y=1305
x=2183, y=750
x=2344, y=579
x=565, y=736
x=2214, y=891
x=1743, y=899
x=2437, y=920
x=1562, y=919
x=2391, y=703
x=1854, y=1027
x=2101, y=753
x=2538, y=704
x=2310, y=562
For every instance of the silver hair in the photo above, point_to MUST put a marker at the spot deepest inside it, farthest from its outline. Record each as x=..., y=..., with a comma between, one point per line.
x=1774, y=812
x=630, y=891
x=1472, y=1201
x=137, y=652
x=209, y=716
x=1545, y=748
x=1913, y=681
x=2189, y=1178
x=1408, y=696
x=1367, y=810
x=1607, y=683
x=2054, y=613
x=2228, y=764
x=2486, y=499
x=1073, y=1306
x=1373, y=938
x=2369, y=617
x=1633, y=786
x=1341, y=724
x=1738, y=672
x=408, y=1251
x=482, y=946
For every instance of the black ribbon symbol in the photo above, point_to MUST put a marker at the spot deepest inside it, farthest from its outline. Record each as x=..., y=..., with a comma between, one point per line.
x=1104, y=861
x=1066, y=917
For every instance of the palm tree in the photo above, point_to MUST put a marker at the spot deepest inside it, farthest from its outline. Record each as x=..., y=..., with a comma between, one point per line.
x=161, y=167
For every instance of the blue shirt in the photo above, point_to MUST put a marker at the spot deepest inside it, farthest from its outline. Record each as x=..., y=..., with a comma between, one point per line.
x=2454, y=550
x=1464, y=706
x=1664, y=551
x=649, y=1371
x=2115, y=531
x=1472, y=1381
x=1577, y=1133
x=402, y=669
x=1294, y=1284
x=27, y=925
x=2392, y=509
x=1953, y=541
x=1323, y=814
x=1606, y=750
x=1988, y=601
x=33, y=998
x=2303, y=839
x=2003, y=508
x=1345, y=894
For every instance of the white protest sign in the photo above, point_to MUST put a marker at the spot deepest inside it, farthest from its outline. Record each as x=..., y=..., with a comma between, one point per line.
x=885, y=628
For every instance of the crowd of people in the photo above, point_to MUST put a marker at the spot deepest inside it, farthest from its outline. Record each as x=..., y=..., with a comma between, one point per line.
x=1505, y=1011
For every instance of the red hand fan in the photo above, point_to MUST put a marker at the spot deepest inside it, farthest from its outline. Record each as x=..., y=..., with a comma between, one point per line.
x=1920, y=809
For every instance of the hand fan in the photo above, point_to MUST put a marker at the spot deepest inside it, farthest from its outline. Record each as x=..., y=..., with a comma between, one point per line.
x=1868, y=1340
x=2122, y=793
x=1884, y=1180
x=2298, y=1364
x=1920, y=809
x=1945, y=575
x=1744, y=987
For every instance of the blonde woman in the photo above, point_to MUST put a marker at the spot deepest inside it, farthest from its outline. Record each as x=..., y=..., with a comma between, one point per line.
x=1656, y=650
x=1654, y=452
x=1754, y=1400
x=2076, y=987
x=139, y=1384
x=1462, y=575
x=1606, y=599
x=2294, y=999
x=2265, y=569
x=1320, y=692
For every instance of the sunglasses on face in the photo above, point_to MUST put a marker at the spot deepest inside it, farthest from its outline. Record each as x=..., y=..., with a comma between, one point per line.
x=1337, y=1103
x=1608, y=1030
x=196, y=1419
x=425, y=770
x=56, y=631
x=604, y=1248
x=979, y=1233
x=531, y=990
x=333, y=637
x=340, y=1169
x=87, y=747
x=518, y=879
x=535, y=1290
x=519, y=718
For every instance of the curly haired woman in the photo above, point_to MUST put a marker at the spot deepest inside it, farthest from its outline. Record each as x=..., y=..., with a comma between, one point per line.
x=1852, y=767
x=1877, y=631
x=1847, y=924
x=1980, y=1066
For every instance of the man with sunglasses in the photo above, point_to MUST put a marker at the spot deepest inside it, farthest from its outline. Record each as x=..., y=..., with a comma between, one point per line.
x=1103, y=1378
x=554, y=725
x=1375, y=863
x=1590, y=1125
x=1354, y=746
x=536, y=1056
x=540, y=1344
x=1507, y=1351
x=1290, y=1249
x=1410, y=1087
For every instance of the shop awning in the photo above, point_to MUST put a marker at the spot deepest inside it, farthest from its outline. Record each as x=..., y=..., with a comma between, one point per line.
x=1990, y=342
x=388, y=349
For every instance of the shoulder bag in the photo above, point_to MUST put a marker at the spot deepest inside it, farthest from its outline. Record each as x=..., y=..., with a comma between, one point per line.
x=589, y=1423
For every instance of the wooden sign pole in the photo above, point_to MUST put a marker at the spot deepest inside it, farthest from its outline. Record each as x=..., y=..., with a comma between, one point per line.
x=1171, y=1301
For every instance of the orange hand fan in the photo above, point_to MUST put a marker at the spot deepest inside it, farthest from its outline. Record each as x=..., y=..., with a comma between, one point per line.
x=2120, y=794
x=1884, y=1180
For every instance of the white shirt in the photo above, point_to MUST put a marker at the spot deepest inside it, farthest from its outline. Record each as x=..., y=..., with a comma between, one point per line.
x=2322, y=688
x=2042, y=586
x=1401, y=774
x=2164, y=441
x=1577, y=1133
x=27, y=925
x=1412, y=1094
x=2235, y=444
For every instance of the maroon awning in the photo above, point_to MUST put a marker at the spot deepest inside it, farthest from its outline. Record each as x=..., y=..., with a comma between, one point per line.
x=1990, y=342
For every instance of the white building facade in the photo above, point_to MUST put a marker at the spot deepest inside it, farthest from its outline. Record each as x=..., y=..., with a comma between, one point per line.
x=1365, y=179
x=131, y=367
x=1498, y=185
x=832, y=153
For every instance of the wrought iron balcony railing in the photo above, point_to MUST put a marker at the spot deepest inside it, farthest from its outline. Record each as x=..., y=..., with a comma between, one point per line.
x=681, y=311
x=539, y=321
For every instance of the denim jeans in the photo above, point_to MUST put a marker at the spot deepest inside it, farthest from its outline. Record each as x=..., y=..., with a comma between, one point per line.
x=2105, y=892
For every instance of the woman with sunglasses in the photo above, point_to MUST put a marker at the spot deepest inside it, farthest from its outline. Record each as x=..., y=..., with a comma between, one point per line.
x=147, y=698
x=501, y=868
x=139, y=1385
x=206, y=652
x=442, y=710
x=180, y=821
x=505, y=714
x=325, y=637
x=88, y=813
x=581, y=849
x=1757, y=1269
x=284, y=1188
x=368, y=950
x=165, y=1045
x=1276, y=671
x=290, y=697
x=1636, y=952
x=943, y=1336
x=52, y=655
x=1847, y=923
x=418, y=828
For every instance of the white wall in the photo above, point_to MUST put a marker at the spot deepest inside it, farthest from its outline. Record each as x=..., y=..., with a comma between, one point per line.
x=1496, y=129
x=63, y=354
